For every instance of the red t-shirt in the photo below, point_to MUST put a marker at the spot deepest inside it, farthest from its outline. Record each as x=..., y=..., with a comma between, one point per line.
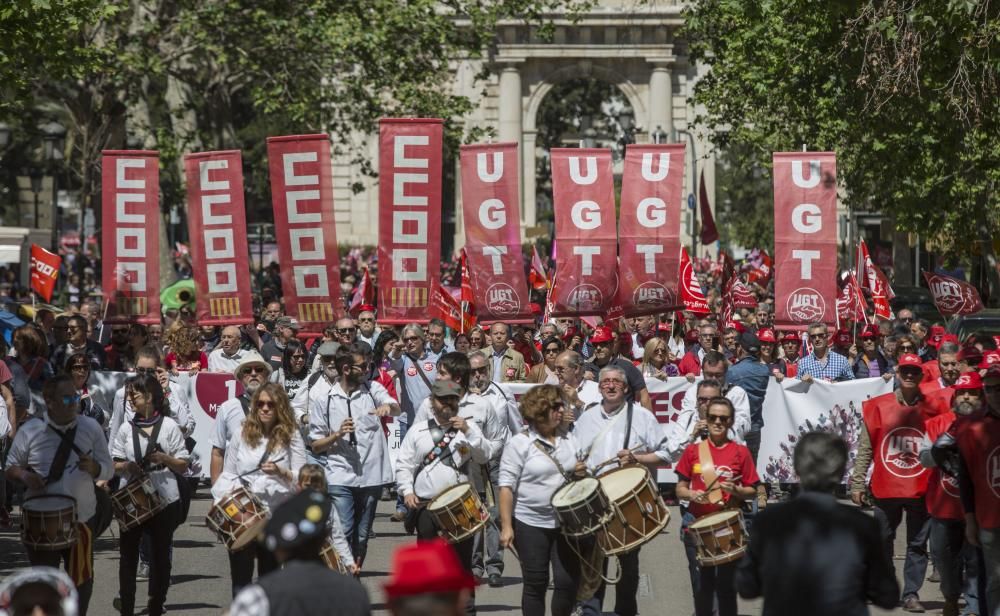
x=942, y=498
x=979, y=444
x=730, y=460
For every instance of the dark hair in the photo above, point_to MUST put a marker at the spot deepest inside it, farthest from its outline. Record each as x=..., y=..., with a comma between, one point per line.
x=714, y=358
x=68, y=364
x=31, y=341
x=385, y=337
x=708, y=383
x=820, y=460
x=553, y=340
x=149, y=351
x=291, y=347
x=150, y=385
x=343, y=357
x=458, y=366
x=53, y=384
x=723, y=401
x=436, y=322
x=79, y=319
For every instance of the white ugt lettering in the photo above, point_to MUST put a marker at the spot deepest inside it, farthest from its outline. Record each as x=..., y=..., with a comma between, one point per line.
x=587, y=255
x=806, y=257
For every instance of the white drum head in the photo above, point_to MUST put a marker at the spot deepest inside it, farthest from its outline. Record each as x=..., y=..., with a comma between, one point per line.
x=575, y=492
x=449, y=496
x=49, y=503
x=619, y=483
x=714, y=518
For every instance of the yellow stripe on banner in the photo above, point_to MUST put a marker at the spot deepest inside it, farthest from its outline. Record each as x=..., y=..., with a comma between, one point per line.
x=131, y=306
x=224, y=306
x=316, y=313
x=408, y=297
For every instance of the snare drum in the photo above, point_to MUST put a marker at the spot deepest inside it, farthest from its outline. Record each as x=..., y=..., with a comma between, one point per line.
x=719, y=537
x=137, y=502
x=458, y=512
x=332, y=559
x=581, y=507
x=48, y=522
x=638, y=511
x=238, y=518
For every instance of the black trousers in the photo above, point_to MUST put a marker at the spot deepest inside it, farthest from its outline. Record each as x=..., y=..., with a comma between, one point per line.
x=889, y=514
x=538, y=548
x=160, y=529
x=50, y=558
x=427, y=530
x=241, y=565
x=627, y=586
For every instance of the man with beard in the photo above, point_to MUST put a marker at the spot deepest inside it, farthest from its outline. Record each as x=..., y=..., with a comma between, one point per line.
x=227, y=356
x=953, y=555
x=894, y=430
x=606, y=355
x=346, y=427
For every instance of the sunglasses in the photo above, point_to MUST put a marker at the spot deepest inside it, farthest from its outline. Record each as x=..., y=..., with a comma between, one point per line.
x=255, y=369
x=345, y=331
x=552, y=350
x=717, y=418
x=611, y=382
x=80, y=367
x=817, y=336
x=68, y=400
x=907, y=347
x=151, y=371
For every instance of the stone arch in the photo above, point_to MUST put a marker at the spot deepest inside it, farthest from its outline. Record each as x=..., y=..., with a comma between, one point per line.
x=583, y=68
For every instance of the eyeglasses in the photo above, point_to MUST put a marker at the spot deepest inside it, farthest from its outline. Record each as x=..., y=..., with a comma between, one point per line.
x=265, y=404
x=907, y=347
x=359, y=367
x=80, y=367
x=910, y=372
x=345, y=331
x=412, y=339
x=704, y=399
x=74, y=328
x=659, y=351
x=68, y=400
x=366, y=320
x=717, y=418
x=299, y=356
x=255, y=369
x=609, y=382
x=151, y=371
x=551, y=350
x=817, y=336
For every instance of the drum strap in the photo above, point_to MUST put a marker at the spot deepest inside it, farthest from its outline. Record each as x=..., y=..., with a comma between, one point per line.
x=628, y=426
x=62, y=454
x=140, y=457
x=441, y=450
x=544, y=449
x=708, y=474
x=245, y=403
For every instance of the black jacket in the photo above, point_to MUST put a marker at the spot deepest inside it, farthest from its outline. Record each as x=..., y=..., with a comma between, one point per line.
x=816, y=556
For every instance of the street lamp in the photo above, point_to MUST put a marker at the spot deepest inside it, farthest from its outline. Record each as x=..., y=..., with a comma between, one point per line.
x=626, y=122
x=35, y=175
x=53, y=141
x=659, y=135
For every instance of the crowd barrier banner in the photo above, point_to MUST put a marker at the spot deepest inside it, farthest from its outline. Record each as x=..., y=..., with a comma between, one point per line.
x=805, y=237
x=490, y=199
x=586, y=278
x=130, y=241
x=791, y=409
x=218, y=227
x=409, y=230
x=649, y=227
x=302, y=195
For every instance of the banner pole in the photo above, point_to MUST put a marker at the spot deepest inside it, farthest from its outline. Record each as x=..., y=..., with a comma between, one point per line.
x=104, y=316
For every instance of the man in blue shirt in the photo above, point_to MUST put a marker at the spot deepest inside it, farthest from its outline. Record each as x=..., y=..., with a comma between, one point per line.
x=753, y=377
x=823, y=363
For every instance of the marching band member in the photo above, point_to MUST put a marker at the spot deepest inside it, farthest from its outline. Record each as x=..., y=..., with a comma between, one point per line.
x=535, y=464
x=313, y=477
x=252, y=372
x=894, y=430
x=618, y=429
x=730, y=466
x=64, y=453
x=435, y=455
x=265, y=457
x=347, y=428
x=152, y=445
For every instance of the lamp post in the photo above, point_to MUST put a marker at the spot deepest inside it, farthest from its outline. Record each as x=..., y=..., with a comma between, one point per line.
x=659, y=135
x=53, y=141
x=626, y=122
x=36, y=187
x=694, y=173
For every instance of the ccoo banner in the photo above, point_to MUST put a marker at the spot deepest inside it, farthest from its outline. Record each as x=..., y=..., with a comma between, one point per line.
x=805, y=237
x=493, y=231
x=44, y=271
x=218, y=227
x=584, y=201
x=130, y=242
x=409, y=230
x=649, y=228
x=302, y=194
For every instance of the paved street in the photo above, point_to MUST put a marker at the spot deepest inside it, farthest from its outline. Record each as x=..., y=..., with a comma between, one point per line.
x=201, y=572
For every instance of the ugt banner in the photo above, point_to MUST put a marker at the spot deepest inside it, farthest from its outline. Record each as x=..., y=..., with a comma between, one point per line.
x=44, y=271
x=302, y=195
x=586, y=278
x=218, y=227
x=649, y=228
x=409, y=229
x=805, y=237
x=130, y=241
x=493, y=231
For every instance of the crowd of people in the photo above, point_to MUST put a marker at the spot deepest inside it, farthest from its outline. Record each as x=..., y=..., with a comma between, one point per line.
x=306, y=440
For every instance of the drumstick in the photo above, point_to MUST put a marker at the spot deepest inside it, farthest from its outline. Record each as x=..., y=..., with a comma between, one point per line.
x=258, y=469
x=615, y=459
x=716, y=480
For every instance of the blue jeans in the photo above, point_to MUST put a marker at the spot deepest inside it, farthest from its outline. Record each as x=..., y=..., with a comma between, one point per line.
x=356, y=508
x=989, y=538
x=952, y=555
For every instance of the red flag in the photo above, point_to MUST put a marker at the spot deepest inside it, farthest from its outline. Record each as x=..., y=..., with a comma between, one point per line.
x=761, y=273
x=218, y=227
x=363, y=295
x=805, y=237
x=468, y=298
x=953, y=296
x=130, y=242
x=709, y=233
x=446, y=307
x=691, y=295
x=538, y=277
x=44, y=271
x=409, y=230
x=850, y=301
x=740, y=295
x=875, y=281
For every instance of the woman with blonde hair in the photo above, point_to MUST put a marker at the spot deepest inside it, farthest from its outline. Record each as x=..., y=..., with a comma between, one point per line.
x=265, y=458
x=657, y=360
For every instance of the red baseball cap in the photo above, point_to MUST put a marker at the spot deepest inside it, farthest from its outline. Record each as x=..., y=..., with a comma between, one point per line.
x=691, y=337
x=989, y=358
x=602, y=334
x=366, y=308
x=663, y=327
x=790, y=337
x=910, y=360
x=843, y=337
x=970, y=355
x=870, y=331
x=766, y=335
x=968, y=380
x=934, y=338
x=427, y=567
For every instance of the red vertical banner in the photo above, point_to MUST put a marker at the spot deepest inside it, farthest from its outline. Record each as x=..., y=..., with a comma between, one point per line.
x=130, y=240
x=302, y=195
x=649, y=227
x=409, y=220
x=805, y=237
x=584, y=203
x=490, y=202
x=218, y=228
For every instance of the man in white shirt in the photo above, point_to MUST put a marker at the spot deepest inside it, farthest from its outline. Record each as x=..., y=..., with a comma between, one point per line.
x=503, y=401
x=367, y=331
x=581, y=393
x=63, y=453
x=252, y=372
x=715, y=367
x=227, y=356
x=346, y=432
x=626, y=432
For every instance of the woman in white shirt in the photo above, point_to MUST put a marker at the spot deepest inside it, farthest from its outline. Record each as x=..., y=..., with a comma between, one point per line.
x=150, y=444
x=265, y=458
x=535, y=464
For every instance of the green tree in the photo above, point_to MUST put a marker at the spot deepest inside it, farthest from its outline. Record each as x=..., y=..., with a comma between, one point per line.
x=904, y=92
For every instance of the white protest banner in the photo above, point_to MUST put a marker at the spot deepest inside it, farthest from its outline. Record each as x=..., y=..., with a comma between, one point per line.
x=793, y=408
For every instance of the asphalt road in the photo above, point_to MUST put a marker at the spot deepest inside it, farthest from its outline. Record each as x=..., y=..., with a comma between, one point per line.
x=201, y=572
